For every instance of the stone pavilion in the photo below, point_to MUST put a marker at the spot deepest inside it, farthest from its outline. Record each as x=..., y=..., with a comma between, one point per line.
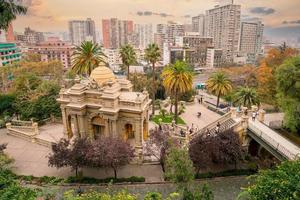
x=104, y=105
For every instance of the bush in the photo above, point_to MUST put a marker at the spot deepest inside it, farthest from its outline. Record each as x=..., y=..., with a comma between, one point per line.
x=234, y=172
x=90, y=180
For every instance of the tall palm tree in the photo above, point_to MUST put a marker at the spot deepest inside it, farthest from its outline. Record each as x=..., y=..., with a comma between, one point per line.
x=152, y=55
x=9, y=11
x=128, y=56
x=246, y=96
x=177, y=79
x=219, y=84
x=87, y=57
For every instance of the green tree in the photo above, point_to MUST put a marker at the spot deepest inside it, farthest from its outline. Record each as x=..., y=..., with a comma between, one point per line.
x=288, y=92
x=219, y=84
x=9, y=11
x=177, y=79
x=179, y=167
x=282, y=183
x=152, y=55
x=128, y=57
x=6, y=104
x=246, y=96
x=87, y=57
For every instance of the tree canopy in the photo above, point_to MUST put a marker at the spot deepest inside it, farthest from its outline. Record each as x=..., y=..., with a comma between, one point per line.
x=9, y=11
x=288, y=92
x=128, y=56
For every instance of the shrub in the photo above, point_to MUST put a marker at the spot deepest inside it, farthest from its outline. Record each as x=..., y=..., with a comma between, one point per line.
x=90, y=180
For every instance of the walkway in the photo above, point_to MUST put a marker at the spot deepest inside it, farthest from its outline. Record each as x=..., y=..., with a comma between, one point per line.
x=31, y=159
x=275, y=140
x=191, y=112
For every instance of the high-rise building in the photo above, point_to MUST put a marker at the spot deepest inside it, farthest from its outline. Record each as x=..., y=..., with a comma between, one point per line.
x=116, y=32
x=82, y=30
x=198, y=24
x=30, y=36
x=251, y=37
x=170, y=31
x=145, y=34
x=54, y=50
x=223, y=24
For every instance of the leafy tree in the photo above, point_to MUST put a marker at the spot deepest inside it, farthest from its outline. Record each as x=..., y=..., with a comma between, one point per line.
x=177, y=79
x=288, y=92
x=128, y=57
x=266, y=72
x=87, y=57
x=152, y=55
x=9, y=11
x=110, y=152
x=158, y=144
x=223, y=148
x=6, y=104
x=65, y=153
x=281, y=183
x=153, y=196
x=246, y=96
x=179, y=167
x=36, y=98
x=219, y=84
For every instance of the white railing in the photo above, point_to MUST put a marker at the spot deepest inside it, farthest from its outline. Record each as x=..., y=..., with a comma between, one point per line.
x=273, y=143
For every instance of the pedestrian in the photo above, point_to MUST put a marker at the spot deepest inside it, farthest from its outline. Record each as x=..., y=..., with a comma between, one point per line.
x=218, y=127
x=253, y=116
x=191, y=131
x=79, y=191
x=199, y=114
x=201, y=100
x=207, y=132
x=182, y=133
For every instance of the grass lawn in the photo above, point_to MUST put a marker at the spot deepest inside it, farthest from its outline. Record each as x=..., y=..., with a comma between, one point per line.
x=167, y=119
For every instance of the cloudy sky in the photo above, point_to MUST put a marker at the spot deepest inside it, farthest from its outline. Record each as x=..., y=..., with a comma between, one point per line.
x=281, y=17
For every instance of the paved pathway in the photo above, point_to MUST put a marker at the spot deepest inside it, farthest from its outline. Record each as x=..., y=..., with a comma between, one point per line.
x=191, y=112
x=31, y=159
x=283, y=145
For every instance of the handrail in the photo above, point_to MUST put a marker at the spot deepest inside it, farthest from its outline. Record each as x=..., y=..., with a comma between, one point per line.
x=221, y=119
x=276, y=145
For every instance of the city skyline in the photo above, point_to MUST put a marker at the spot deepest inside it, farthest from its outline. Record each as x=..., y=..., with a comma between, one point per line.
x=280, y=19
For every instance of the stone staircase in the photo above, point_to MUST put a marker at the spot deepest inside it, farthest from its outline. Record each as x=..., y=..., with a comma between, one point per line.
x=226, y=122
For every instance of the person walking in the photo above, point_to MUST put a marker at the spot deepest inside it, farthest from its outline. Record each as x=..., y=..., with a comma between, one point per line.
x=253, y=116
x=218, y=127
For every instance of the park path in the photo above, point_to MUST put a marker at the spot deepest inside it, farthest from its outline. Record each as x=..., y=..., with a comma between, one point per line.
x=191, y=112
x=31, y=159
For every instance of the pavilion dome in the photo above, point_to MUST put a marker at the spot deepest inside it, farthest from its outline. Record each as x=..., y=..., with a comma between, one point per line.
x=102, y=75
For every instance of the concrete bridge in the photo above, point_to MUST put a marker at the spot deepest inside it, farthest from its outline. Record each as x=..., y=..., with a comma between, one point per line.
x=252, y=133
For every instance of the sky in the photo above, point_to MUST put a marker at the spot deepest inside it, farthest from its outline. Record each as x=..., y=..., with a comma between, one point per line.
x=281, y=17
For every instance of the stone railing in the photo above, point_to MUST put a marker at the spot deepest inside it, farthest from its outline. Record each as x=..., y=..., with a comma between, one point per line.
x=27, y=130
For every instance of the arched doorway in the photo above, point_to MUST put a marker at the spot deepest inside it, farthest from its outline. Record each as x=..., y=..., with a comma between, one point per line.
x=98, y=127
x=253, y=148
x=129, y=133
x=145, y=130
x=70, y=127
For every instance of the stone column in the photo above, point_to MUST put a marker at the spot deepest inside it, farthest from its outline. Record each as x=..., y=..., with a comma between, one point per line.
x=64, y=120
x=233, y=112
x=81, y=126
x=114, y=128
x=35, y=127
x=138, y=140
x=75, y=122
x=261, y=115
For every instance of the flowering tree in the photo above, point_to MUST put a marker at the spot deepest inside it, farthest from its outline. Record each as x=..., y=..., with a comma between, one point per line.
x=111, y=153
x=65, y=153
x=158, y=144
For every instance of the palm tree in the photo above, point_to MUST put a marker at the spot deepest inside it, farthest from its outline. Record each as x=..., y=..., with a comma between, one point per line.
x=152, y=55
x=246, y=96
x=9, y=11
x=128, y=56
x=219, y=84
x=177, y=79
x=87, y=57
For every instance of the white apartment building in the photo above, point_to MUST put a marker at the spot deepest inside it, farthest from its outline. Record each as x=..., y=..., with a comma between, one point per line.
x=213, y=57
x=251, y=37
x=198, y=24
x=145, y=34
x=223, y=24
x=82, y=30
